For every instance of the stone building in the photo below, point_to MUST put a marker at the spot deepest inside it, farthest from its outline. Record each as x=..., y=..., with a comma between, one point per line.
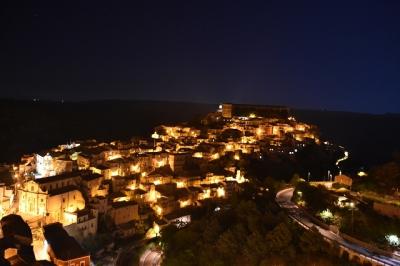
x=55, y=204
x=49, y=165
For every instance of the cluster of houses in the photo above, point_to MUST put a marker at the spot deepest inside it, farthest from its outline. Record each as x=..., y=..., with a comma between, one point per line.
x=141, y=184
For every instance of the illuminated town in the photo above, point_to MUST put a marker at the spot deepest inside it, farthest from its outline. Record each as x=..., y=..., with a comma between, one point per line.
x=143, y=184
x=200, y=133
x=133, y=189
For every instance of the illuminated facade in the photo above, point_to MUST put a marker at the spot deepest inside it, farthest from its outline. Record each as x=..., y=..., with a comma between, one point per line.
x=32, y=199
x=47, y=165
x=123, y=212
x=57, y=205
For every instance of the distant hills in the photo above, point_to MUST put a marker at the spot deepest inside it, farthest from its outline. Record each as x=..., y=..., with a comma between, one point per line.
x=28, y=126
x=371, y=139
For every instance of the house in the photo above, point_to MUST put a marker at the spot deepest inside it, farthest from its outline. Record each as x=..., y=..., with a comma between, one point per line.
x=125, y=215
x=6, y=198
x=344, y=180
x=100, y=203
x=166, y=205
x=63, y=249
x=92, y=182
x=55, y=204
x=61, y=203
x=124, y=211
x=85, y=226
x=177, y=160
x=52, y=164
x=83, y=161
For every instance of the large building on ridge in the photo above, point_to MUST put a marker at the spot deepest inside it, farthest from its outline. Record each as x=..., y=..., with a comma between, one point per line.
x=229, y=110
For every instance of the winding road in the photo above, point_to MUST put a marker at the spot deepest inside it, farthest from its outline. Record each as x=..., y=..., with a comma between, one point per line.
x=283, y=198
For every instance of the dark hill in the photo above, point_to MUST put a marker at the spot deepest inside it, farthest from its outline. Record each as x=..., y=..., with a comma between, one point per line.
x=370, y=139
x=28, y=126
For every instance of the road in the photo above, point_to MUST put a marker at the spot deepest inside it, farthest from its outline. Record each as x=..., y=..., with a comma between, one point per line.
x=283, y=198
x=151, y=257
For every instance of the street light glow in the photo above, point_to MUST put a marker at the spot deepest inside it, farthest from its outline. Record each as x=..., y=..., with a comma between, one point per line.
x=326, y=214
x=393, y=240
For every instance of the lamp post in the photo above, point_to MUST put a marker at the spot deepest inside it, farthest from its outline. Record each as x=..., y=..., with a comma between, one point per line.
x=155, y=136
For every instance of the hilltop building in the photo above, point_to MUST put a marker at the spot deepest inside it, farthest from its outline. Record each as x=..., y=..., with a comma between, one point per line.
x=230, y=110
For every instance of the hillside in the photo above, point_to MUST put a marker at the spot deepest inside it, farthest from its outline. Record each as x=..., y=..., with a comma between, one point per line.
x=28, y=126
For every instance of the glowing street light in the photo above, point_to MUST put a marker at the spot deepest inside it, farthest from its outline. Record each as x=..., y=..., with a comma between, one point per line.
x=393, y=240
x=155, y=136
x=326, y=214
x=220, y=192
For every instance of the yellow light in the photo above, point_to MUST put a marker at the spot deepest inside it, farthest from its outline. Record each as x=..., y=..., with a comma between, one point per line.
x=135, y=168
x=114, y=172
x=131, y=187
x=113, y=157
x=153, y=232
x=156, y=229
x=180, y=184
x=184, y=203
x=120, y=199
x=259, y=131
x=220, y=192
x=252, y=115
x=229, y=147
x=143, y=174
x=362, y=173
x=159, y=210
x=236, y=157
x=160, y=163
x=215, y=156
x=205, y=195
x=198, y=155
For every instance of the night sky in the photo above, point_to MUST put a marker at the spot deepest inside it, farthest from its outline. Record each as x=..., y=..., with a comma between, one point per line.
x=335, y=55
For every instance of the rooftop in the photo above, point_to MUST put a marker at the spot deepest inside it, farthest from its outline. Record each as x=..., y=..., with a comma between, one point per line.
x=53, y=178
x=63, y=190
x=122, y=204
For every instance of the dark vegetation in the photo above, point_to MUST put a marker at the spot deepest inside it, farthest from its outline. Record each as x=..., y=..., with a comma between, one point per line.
x=383, y=179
